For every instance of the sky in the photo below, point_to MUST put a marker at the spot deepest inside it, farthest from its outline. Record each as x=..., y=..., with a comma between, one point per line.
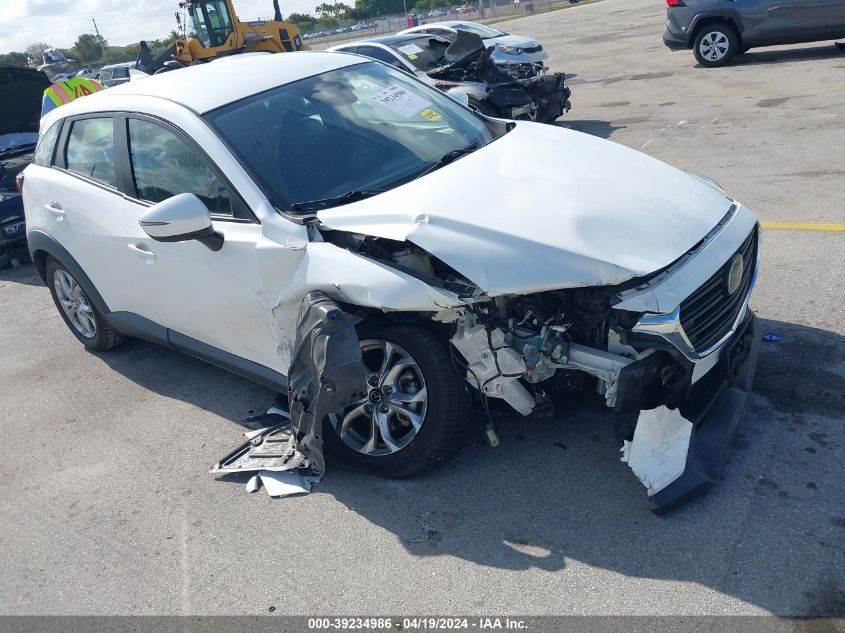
x=121, y=22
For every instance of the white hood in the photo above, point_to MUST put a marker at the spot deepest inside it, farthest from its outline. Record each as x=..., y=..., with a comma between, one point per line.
x=522, y=42
x=545, y=208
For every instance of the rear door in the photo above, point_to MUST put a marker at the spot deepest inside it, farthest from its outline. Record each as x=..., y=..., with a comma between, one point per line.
x=814, y=20
x=762, y=22
x=86, y=212
x=210, y=297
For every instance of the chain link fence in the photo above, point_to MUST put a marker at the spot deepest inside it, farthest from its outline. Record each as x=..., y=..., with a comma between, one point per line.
x=486, y=11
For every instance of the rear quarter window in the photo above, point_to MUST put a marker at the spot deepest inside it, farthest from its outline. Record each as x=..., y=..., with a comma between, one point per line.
x=90, y=150
x=44, y=150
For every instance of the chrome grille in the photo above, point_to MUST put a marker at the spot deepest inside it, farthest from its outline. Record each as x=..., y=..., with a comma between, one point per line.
x=709, y=313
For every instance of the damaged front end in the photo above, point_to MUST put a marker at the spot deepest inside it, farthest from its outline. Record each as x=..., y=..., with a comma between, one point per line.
x=678, y=409
x=671, y=353
x=514, y=91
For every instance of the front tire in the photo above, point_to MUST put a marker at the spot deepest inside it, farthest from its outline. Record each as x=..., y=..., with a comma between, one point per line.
x=716, y=45
x=415, y=414
x=81, y=316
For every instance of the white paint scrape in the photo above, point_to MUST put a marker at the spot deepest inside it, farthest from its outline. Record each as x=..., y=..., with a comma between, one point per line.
x=658, y=452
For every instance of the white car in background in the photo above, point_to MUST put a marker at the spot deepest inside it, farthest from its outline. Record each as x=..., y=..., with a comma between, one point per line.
x=508, y=49
x=336, y=229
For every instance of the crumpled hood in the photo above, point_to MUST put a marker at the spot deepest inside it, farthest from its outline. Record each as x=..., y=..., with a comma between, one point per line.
x=545, y=208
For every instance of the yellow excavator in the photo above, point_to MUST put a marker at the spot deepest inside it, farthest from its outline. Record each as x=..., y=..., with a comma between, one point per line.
x=213, y=30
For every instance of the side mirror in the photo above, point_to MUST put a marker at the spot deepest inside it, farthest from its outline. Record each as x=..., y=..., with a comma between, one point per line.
x=179, y=219
x=460, y=97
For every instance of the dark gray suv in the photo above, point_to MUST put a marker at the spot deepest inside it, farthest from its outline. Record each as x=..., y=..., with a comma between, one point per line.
x=717, y=30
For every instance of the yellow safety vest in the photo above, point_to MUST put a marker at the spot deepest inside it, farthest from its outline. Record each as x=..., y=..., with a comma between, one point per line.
x=63, y=92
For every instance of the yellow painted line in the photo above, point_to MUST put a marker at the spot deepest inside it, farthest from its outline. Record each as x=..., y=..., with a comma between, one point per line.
x=802, y=226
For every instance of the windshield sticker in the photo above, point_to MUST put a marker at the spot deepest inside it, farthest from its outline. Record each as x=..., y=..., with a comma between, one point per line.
x=401, y=101
x=431, y=115
x=410, y=49
x=412, y=57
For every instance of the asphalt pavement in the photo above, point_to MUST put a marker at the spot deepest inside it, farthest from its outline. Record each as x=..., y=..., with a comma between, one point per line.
x=108, y=507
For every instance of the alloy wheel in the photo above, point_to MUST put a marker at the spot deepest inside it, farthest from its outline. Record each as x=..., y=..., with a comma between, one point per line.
x=75, y=304
x=714, y=46
x=389, y=415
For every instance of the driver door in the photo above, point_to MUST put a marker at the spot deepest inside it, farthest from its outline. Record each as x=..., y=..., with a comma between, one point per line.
x=210, y=300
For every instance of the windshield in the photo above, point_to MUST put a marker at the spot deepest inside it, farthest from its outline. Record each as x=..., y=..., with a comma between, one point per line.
x=481, y=30
x=425, y=53
x=363, y=128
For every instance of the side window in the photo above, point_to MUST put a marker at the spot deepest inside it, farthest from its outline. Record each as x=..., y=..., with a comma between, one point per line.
x=164, y=165
x=121, y=72
x=90, y=150
x=44, y=151
x=105, y=74
x=381, y=55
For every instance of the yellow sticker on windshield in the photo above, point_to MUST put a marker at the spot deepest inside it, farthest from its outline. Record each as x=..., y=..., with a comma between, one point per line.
x=412, y=56
x=431, y=115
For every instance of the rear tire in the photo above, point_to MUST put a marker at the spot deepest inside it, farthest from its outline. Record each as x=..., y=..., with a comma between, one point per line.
x=716, y=45
x=80, y=315
x=445, y=419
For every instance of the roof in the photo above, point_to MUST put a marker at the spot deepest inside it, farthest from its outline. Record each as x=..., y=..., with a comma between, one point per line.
x=205, y=87
x=390, y=40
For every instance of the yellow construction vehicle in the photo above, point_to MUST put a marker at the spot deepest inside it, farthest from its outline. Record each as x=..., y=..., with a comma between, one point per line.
x=212, y=29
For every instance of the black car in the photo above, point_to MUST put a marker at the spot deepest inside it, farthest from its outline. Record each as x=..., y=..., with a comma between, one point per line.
x=718, y=30
x=19, y=117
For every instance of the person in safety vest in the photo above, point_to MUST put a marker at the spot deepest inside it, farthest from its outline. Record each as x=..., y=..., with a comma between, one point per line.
x=66, y=90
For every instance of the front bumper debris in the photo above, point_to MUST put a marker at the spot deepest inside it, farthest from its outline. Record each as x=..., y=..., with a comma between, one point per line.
x=326, y=371
x=678, y=454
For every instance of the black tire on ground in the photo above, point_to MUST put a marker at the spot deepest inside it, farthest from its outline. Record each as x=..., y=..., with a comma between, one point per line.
x=743, y=50
x=726, y=48
x=447, y=420
x=105, y=337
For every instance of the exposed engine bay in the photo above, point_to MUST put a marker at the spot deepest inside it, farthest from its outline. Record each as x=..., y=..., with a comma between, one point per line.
x=548, y=350
x=513, y=90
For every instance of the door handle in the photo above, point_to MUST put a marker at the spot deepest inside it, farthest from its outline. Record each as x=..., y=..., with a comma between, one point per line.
x=142, y=251
x=56, y=209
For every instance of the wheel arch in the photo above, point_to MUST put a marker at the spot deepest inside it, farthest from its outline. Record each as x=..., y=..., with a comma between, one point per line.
x=42, y=246
x=709, y=20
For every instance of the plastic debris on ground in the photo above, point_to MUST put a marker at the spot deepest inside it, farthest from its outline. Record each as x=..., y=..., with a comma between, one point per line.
x=658, y=452
x=271, y=452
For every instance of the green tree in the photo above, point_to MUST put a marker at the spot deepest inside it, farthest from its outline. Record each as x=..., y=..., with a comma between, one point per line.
x=423, y=5
x=88, y=48
x=304, y=21
x=33, y=52
x=381, y=7
x=14, y=59
x=336, y=10
x=298, y=18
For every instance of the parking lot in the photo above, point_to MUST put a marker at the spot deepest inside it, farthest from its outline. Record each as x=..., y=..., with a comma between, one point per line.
x=109, y=508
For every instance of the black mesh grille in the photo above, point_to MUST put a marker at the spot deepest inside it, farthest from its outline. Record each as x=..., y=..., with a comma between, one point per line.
x=708, y=314
x=532, y=49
